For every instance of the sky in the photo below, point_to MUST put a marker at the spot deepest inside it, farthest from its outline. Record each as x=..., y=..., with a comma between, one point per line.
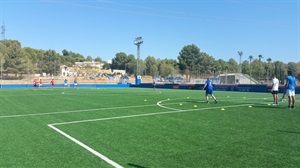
x=103, y=28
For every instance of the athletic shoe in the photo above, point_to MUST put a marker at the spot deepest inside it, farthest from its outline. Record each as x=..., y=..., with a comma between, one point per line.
x=216, y=101
x=293, y=107
x=207, y=102
x=274, y=104
x=281, y=100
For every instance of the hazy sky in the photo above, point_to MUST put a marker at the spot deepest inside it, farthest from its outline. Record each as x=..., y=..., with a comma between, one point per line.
x=220, y=28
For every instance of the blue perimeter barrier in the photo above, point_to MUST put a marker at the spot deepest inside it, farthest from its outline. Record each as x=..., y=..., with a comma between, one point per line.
x=30, y=86
x=219, y=87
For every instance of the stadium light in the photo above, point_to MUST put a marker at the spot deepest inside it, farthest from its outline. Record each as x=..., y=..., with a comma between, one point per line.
x=138, y=41
x=240, y=54
x=1, y=61
x=240, y=67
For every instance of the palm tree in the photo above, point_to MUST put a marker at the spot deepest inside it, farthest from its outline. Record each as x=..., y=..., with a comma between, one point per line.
x=260, y=57
x=250, y=58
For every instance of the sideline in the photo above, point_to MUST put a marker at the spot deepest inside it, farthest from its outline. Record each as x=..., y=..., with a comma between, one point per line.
x=106, y=159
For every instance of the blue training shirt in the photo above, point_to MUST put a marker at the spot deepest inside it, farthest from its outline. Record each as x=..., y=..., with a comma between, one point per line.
x=292, y=82
x=209, y=85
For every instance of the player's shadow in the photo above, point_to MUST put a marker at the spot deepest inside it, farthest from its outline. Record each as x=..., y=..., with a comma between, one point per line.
x=135, y=166
x=287, y=131
x=192, y=101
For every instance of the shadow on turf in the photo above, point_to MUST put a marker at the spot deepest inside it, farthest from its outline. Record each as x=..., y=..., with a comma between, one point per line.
x=287, y=131
x=136, y=166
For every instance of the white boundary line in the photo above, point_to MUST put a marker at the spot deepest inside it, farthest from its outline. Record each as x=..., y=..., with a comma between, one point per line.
x=106, y=159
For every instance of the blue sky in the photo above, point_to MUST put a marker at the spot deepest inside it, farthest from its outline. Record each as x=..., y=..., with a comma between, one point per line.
x=220, y=28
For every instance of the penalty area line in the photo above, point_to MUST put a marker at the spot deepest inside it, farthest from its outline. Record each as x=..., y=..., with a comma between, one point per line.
x=101, y=156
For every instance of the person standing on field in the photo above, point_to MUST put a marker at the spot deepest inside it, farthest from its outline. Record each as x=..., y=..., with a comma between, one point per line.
x=65, y=83
x=41, y=83
x=154, y=84
x=275, y=86
x=52, y=83
x=290, y=85
x=34, y=84
x=75, y=82
x=208, y=86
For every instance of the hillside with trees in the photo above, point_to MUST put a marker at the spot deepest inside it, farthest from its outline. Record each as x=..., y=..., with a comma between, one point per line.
x=191, y=62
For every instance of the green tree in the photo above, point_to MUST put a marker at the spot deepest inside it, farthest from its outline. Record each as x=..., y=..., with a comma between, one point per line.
x=188, y=58
x=131, y=65
x=292, y=66
x=50, y=63
x=119, y=61
x=245, y=67
x=166, y=69
x=280, y=70
x=106, y=65
x=98, y=59
x=232, y=65
x=15, y=61
x=151, y=66
x=205, y=65
x=89, y=58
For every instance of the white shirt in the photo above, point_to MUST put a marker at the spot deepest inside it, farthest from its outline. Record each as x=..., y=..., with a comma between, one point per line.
x=275, y=84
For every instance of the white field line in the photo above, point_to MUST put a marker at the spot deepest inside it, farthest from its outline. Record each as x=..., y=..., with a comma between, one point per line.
x=108, y=108
x=148, y=114
x=101, y=156
x=165, y=107
x=73, y=111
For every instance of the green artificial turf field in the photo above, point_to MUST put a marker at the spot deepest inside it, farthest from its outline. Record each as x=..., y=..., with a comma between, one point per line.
x=142, y=128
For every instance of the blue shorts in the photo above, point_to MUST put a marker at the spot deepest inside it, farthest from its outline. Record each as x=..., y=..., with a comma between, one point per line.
x=209, y=91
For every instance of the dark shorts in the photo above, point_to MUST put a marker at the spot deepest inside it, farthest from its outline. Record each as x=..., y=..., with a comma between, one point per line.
x=275, y=92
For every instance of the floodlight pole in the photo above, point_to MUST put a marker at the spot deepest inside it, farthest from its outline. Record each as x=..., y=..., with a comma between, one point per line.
x=3, y=38
x=240, y=54
x=240, y=67
x=138, y=41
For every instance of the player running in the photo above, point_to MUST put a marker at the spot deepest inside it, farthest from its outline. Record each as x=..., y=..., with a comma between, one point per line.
x=208, y=86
